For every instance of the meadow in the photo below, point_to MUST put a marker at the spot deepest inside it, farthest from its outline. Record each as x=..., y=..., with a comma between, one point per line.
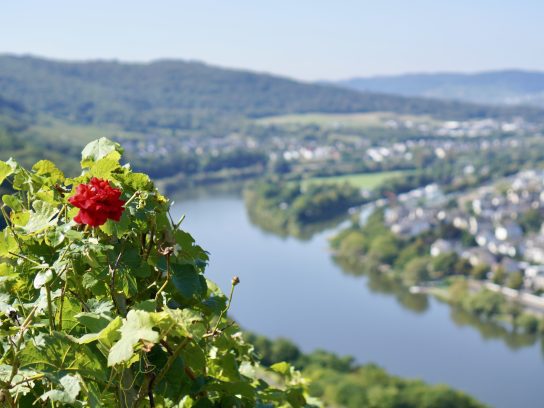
x=367, y=181
x=349, y=120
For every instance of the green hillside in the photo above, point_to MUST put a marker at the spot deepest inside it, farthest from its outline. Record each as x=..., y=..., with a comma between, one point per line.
x=183, y=95
x=508, y=87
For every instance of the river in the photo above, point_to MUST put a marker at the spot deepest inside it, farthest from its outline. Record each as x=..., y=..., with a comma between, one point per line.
x=291, y=288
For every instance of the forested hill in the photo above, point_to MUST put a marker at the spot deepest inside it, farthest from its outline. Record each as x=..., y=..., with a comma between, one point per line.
x=190, y=95
x=512, y=87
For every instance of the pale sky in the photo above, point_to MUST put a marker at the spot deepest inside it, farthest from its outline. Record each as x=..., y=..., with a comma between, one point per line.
x=302, y=39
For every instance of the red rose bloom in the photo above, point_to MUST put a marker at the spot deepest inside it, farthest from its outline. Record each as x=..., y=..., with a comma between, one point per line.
x=97, y=201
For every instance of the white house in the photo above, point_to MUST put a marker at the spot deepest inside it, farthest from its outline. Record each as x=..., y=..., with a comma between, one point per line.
x=508, y=230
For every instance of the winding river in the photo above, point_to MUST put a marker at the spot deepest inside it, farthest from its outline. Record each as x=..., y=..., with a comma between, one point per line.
x=292, y=288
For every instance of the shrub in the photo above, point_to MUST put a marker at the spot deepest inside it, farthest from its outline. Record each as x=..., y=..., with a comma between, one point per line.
x=119, y=313
x=528, y=323
x=515, y=280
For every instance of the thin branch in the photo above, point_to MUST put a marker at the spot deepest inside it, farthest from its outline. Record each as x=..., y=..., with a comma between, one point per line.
x=175, y=354
x=234, y=282
x=63, y=291
x=112, y=271
x=165, y=282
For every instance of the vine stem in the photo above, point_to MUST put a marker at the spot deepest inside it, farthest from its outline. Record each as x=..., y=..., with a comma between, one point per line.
x=170, y=361
x=132, y=197
x=10, y=226
x=234, y=282
x=117, y=300
x=50, y=309
x=62, y=302
x=165, y=282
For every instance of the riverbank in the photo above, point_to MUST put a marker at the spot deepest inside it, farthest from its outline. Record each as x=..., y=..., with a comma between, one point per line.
x=340, y=381
x=288, y=208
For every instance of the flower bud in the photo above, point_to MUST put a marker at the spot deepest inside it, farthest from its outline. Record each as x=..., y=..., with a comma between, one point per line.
x=235, y=281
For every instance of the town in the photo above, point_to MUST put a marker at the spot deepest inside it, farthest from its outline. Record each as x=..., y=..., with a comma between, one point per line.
x=504, y=221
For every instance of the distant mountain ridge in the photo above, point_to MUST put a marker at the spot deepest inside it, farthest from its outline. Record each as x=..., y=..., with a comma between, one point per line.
x=507, y=87
x=177, y=95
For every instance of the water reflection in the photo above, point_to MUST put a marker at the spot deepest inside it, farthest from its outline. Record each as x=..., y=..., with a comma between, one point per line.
x=379, y=282
x=492, y=330
x=290, y=230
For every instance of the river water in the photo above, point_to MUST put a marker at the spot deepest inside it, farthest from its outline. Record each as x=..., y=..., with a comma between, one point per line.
x=291, y=288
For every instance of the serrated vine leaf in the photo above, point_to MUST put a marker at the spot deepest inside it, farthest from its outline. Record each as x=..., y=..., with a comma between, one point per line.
x=41, y=217
x=68, y=394
x=5, y=171
x=48, y=168
x=98, y=149
x=189, y=283
x=137, y=327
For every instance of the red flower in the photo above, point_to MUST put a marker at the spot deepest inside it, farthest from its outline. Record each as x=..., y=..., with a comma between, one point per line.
x=97, y=201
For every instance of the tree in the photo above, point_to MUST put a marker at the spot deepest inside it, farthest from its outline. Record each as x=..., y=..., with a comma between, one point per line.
x=384, y=248
x=463, y=267
x=485, y=303
x=514, y=310
x=416, y=271
x=499, y=276
x=444, y=264
x=409, y=252
x=532, y=220
x=528, y=323
x=480, y=271
x=353, y=244
x=458, y=290
x=515, y=280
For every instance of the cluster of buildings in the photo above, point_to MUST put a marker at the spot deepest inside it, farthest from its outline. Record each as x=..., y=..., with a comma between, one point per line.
x=468, y=128
x=166, y=145
x=494, y=216
x=416, y=211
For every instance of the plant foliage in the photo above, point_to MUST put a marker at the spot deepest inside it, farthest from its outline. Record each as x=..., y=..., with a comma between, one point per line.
x=118, y=315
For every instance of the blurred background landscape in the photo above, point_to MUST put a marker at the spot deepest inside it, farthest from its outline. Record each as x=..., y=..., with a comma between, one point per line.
x=373, y=172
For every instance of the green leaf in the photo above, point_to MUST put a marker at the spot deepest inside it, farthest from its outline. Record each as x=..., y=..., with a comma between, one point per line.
x=295, y=396
x=148, y=305
x=105, y=166
x=54, y=237
x=187, y=322
x=59, y=351
x=20, y=219
x=107, y=337
x=22, y=375
x=5, y=171
x=190, y=253
x=190, y=284
x=117, y=228
x=282, y=368
x=8, y=243
x=93, y=321
x=48, y=168
x=71, y=390
x=137, y=326
x=12, y=202
x=43, y=277
x=71, y=385
x=139, y=181
x=98, y=149
x=41, y=217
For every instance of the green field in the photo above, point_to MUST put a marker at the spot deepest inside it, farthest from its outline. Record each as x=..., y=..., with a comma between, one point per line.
x=48, y=128
x=350, y=120
x=366, y=181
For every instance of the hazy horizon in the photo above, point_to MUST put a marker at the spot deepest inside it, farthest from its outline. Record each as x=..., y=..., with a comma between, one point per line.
x=197, y=61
